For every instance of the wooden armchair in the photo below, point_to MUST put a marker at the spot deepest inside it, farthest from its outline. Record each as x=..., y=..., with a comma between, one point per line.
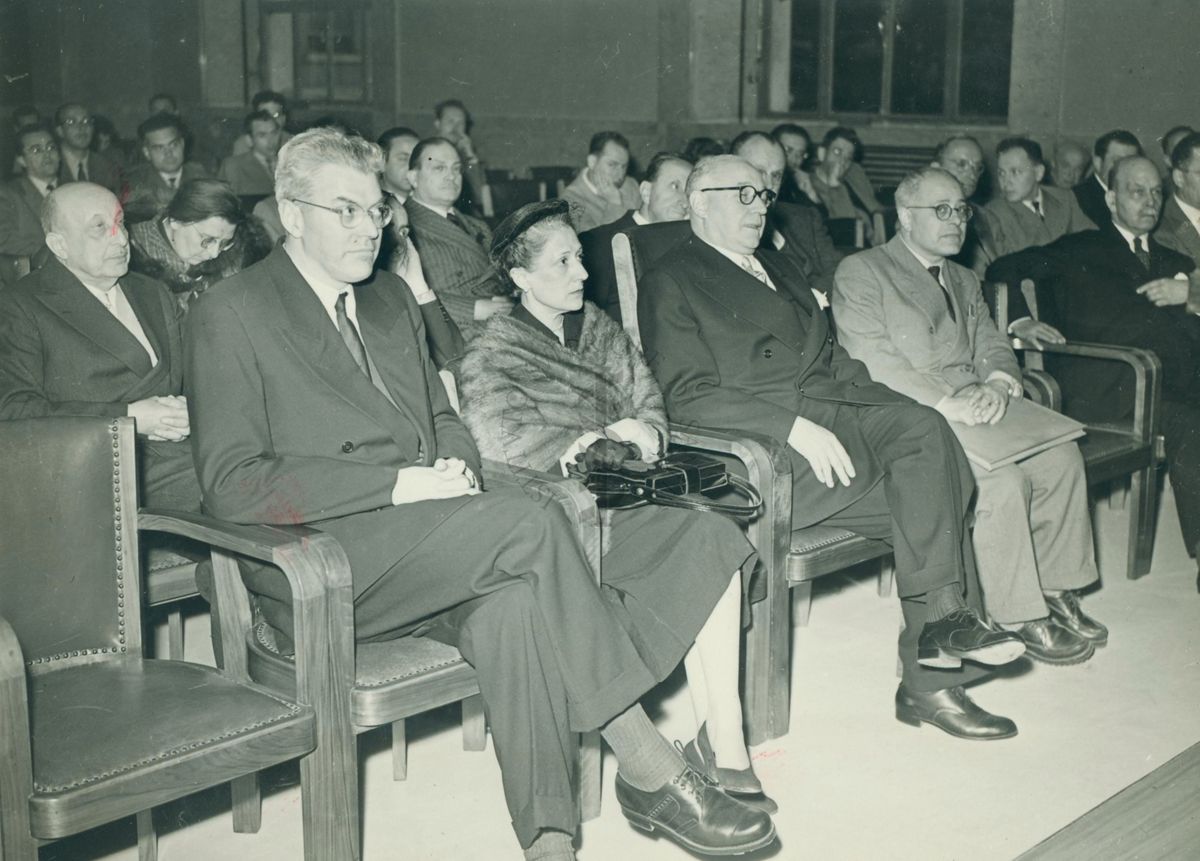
x=90, y=730
x=792, y=560
x=1122, y=451
x=501, y=197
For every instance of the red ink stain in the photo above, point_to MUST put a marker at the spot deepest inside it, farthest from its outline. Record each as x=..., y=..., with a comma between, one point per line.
x=767, y=754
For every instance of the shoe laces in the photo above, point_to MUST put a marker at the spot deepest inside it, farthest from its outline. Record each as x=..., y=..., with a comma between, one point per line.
x=692, y=781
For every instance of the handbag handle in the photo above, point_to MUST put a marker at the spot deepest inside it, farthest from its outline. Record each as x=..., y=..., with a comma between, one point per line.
x=634, y=495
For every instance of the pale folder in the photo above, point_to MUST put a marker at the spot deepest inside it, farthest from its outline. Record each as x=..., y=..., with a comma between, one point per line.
x=1025, y=430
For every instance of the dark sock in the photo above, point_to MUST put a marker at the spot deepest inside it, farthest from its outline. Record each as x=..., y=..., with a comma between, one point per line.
x=551, y=845
x=644, y=758
x=944, y=600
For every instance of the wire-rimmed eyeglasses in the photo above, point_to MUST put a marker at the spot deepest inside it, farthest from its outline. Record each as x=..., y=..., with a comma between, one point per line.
x=943, y=211
x=351, y=214
x=747, y=193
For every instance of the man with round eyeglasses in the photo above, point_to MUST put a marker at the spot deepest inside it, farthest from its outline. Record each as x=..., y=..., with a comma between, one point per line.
x=22, y=240
x=74, y=126
x=736, y=339
x=919, y=322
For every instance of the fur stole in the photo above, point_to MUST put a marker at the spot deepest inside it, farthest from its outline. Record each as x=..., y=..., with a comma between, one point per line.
x=526, y=398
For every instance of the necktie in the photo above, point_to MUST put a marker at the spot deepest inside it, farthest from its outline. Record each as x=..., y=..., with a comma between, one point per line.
x=350, y=335
x=170, y=182
x=936, y=272
x=1139, y=248
x=81, y=174
x=455, y=219
x=1037, y=208
x=50, y=186
x=759, y=275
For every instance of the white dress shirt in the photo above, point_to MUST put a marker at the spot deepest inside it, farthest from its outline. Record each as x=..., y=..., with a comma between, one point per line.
x=113, y=299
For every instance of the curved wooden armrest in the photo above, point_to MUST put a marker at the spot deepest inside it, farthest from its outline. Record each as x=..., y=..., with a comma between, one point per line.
x=12, y=661
x=1041, y=388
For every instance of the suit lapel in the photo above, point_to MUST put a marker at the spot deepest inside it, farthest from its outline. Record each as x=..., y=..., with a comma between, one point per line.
x=434, y=224
x=149, y=314
x=1058, y=215
x=30, y=196
x=919, y=286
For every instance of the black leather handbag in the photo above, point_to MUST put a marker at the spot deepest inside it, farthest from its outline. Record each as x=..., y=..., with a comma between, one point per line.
x=679, y=480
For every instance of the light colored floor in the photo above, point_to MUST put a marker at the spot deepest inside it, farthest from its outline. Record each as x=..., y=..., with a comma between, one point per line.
x=851, y=782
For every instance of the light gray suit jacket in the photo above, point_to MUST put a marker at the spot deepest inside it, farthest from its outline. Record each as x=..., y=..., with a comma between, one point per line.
x=1011, y=227
x=1177, y=232
x=891, y=315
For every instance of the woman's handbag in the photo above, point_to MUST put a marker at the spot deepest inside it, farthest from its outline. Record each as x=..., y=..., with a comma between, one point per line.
x=679, y=480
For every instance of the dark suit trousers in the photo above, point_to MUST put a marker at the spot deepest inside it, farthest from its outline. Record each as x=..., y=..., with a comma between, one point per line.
x=920, y=507
x=1181, y=430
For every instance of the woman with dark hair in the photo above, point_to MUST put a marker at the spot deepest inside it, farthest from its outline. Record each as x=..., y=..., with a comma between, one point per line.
x=203, y=237
x=559, y=382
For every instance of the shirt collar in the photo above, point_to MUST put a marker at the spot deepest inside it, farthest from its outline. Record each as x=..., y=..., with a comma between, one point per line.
x=73, y=162
x=40, y=184
x=1192, y=213
x=584, y=174
x=1129, y=236
x=640, y=219
x=1036, y=202
x=443, y=211
x=176, y=175
x=327, y=288
x=923, y=259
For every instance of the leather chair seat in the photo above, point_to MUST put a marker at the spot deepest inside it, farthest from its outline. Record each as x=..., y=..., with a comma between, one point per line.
x=1112, y=453
x=116, y=717
x=820, y=550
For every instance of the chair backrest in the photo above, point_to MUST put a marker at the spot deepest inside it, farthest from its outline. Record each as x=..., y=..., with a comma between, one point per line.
x=69, y=582
x=635, y=250
x=507, y=196
x=554, y=176
x=846, y=232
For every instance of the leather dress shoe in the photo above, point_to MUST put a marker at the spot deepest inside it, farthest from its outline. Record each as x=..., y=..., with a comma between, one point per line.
x=954, y=712
x=1065, y=610
x=1051, y=643
x=742, y=784
x=697, y=814
x=961, y=636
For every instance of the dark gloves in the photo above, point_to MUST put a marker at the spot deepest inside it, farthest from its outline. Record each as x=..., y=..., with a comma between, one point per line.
x=606, y=454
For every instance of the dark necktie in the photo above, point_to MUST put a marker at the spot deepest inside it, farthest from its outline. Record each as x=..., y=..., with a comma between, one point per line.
x=350, y=335
x=170, y=182
x=936, y=272
x=1143, y=256
x=1037, y=208
x=81, y=174
x=456, y=219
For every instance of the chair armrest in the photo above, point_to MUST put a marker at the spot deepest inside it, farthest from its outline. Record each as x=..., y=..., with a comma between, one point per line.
x=1042, y=389
x=16, y=758
x=1147, y=371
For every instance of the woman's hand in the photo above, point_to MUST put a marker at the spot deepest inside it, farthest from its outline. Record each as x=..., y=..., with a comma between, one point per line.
x=643, y=435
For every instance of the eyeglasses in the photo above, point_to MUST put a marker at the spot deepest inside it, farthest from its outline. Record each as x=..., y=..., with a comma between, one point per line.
x=402, y=231
x=352, y=214
x=963, y=164
x=78, y=121
x=943, y=211
x=747, y=193
x=40, y=149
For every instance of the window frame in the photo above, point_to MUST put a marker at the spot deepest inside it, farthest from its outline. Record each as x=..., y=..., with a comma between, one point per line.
x=362, y=9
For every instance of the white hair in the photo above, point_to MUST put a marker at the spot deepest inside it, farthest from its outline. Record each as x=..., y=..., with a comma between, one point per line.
x=307, y=152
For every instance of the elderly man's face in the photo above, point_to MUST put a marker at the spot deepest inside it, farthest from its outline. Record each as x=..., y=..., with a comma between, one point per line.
x=164, y=149
x=1070, y=164
x=721, y=216
x=610, y=165
x=920, y=224
x=767, y=158
x=395, y=170
x=1116, y=151
x=664, y=198
x=795, y=149
x=1136, y=200
x=39, y=155
x=963, y=160
x=76, y=127
x=438, y=178
x=265, y=137
x=1018, y=175
x=91, y=237
x=347, y=254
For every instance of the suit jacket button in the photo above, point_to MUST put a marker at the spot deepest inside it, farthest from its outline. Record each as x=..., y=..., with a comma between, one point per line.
x=347, y=446
x=768, y=353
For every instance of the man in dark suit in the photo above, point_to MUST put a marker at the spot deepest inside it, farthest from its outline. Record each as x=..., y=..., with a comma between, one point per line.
x=22, y=240
x=74, y=126
x=795, y=229
x=83, y=336
x=1180, y=225
x=663, y=199
x=736, y=339
x=453, y=245
x=314, y=400
x=1109, y=149
x=153, y=183
x=252, y=173
x=1117, y=285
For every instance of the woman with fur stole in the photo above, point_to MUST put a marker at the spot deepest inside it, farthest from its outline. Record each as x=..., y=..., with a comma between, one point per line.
x=557, y=382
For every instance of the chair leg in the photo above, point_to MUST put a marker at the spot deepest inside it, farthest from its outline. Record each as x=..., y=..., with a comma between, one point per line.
x=474, y=724
x=146, y=836
x=1143, y=516
x=801, y=604
x=399, y=751
x=590, y=765
x=247, y=804
x=768, y=659
x=175, y=633
x=887, y=573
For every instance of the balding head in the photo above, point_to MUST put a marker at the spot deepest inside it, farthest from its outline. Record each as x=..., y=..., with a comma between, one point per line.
x=961, y=157
x=1070, y=164
x=85, y=229
x=1134, y=195
x=764, y=153
x=919, y=197
x=717, y=214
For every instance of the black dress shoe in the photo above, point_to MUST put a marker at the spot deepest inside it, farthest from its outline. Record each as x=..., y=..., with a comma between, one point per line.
x=1051, y=643
x=1065, y=609
x=953, y=711
x=959, y=637
x=695, y=813
x=742, y=784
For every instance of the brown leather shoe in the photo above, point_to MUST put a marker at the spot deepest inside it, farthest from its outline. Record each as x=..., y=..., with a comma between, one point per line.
x=961, y=636
x=1051, y=643
x=697, y=814
x=1065, y=610
x=743, y=784
x=952, y=711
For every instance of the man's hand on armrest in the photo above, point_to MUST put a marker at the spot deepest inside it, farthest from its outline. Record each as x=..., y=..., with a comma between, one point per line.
x=163, y=418
x=447, y=478
x=823, y=451
x=1035, y=332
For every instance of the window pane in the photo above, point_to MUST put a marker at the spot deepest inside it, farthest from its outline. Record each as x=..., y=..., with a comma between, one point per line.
x=919, y=66
x=312, y=68
x=986, y=58
x=858, y=55
x=806, y=54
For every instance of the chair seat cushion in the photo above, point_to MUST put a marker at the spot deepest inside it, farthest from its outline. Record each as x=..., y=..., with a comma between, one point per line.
x=820, y=550
x=1111, y=453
